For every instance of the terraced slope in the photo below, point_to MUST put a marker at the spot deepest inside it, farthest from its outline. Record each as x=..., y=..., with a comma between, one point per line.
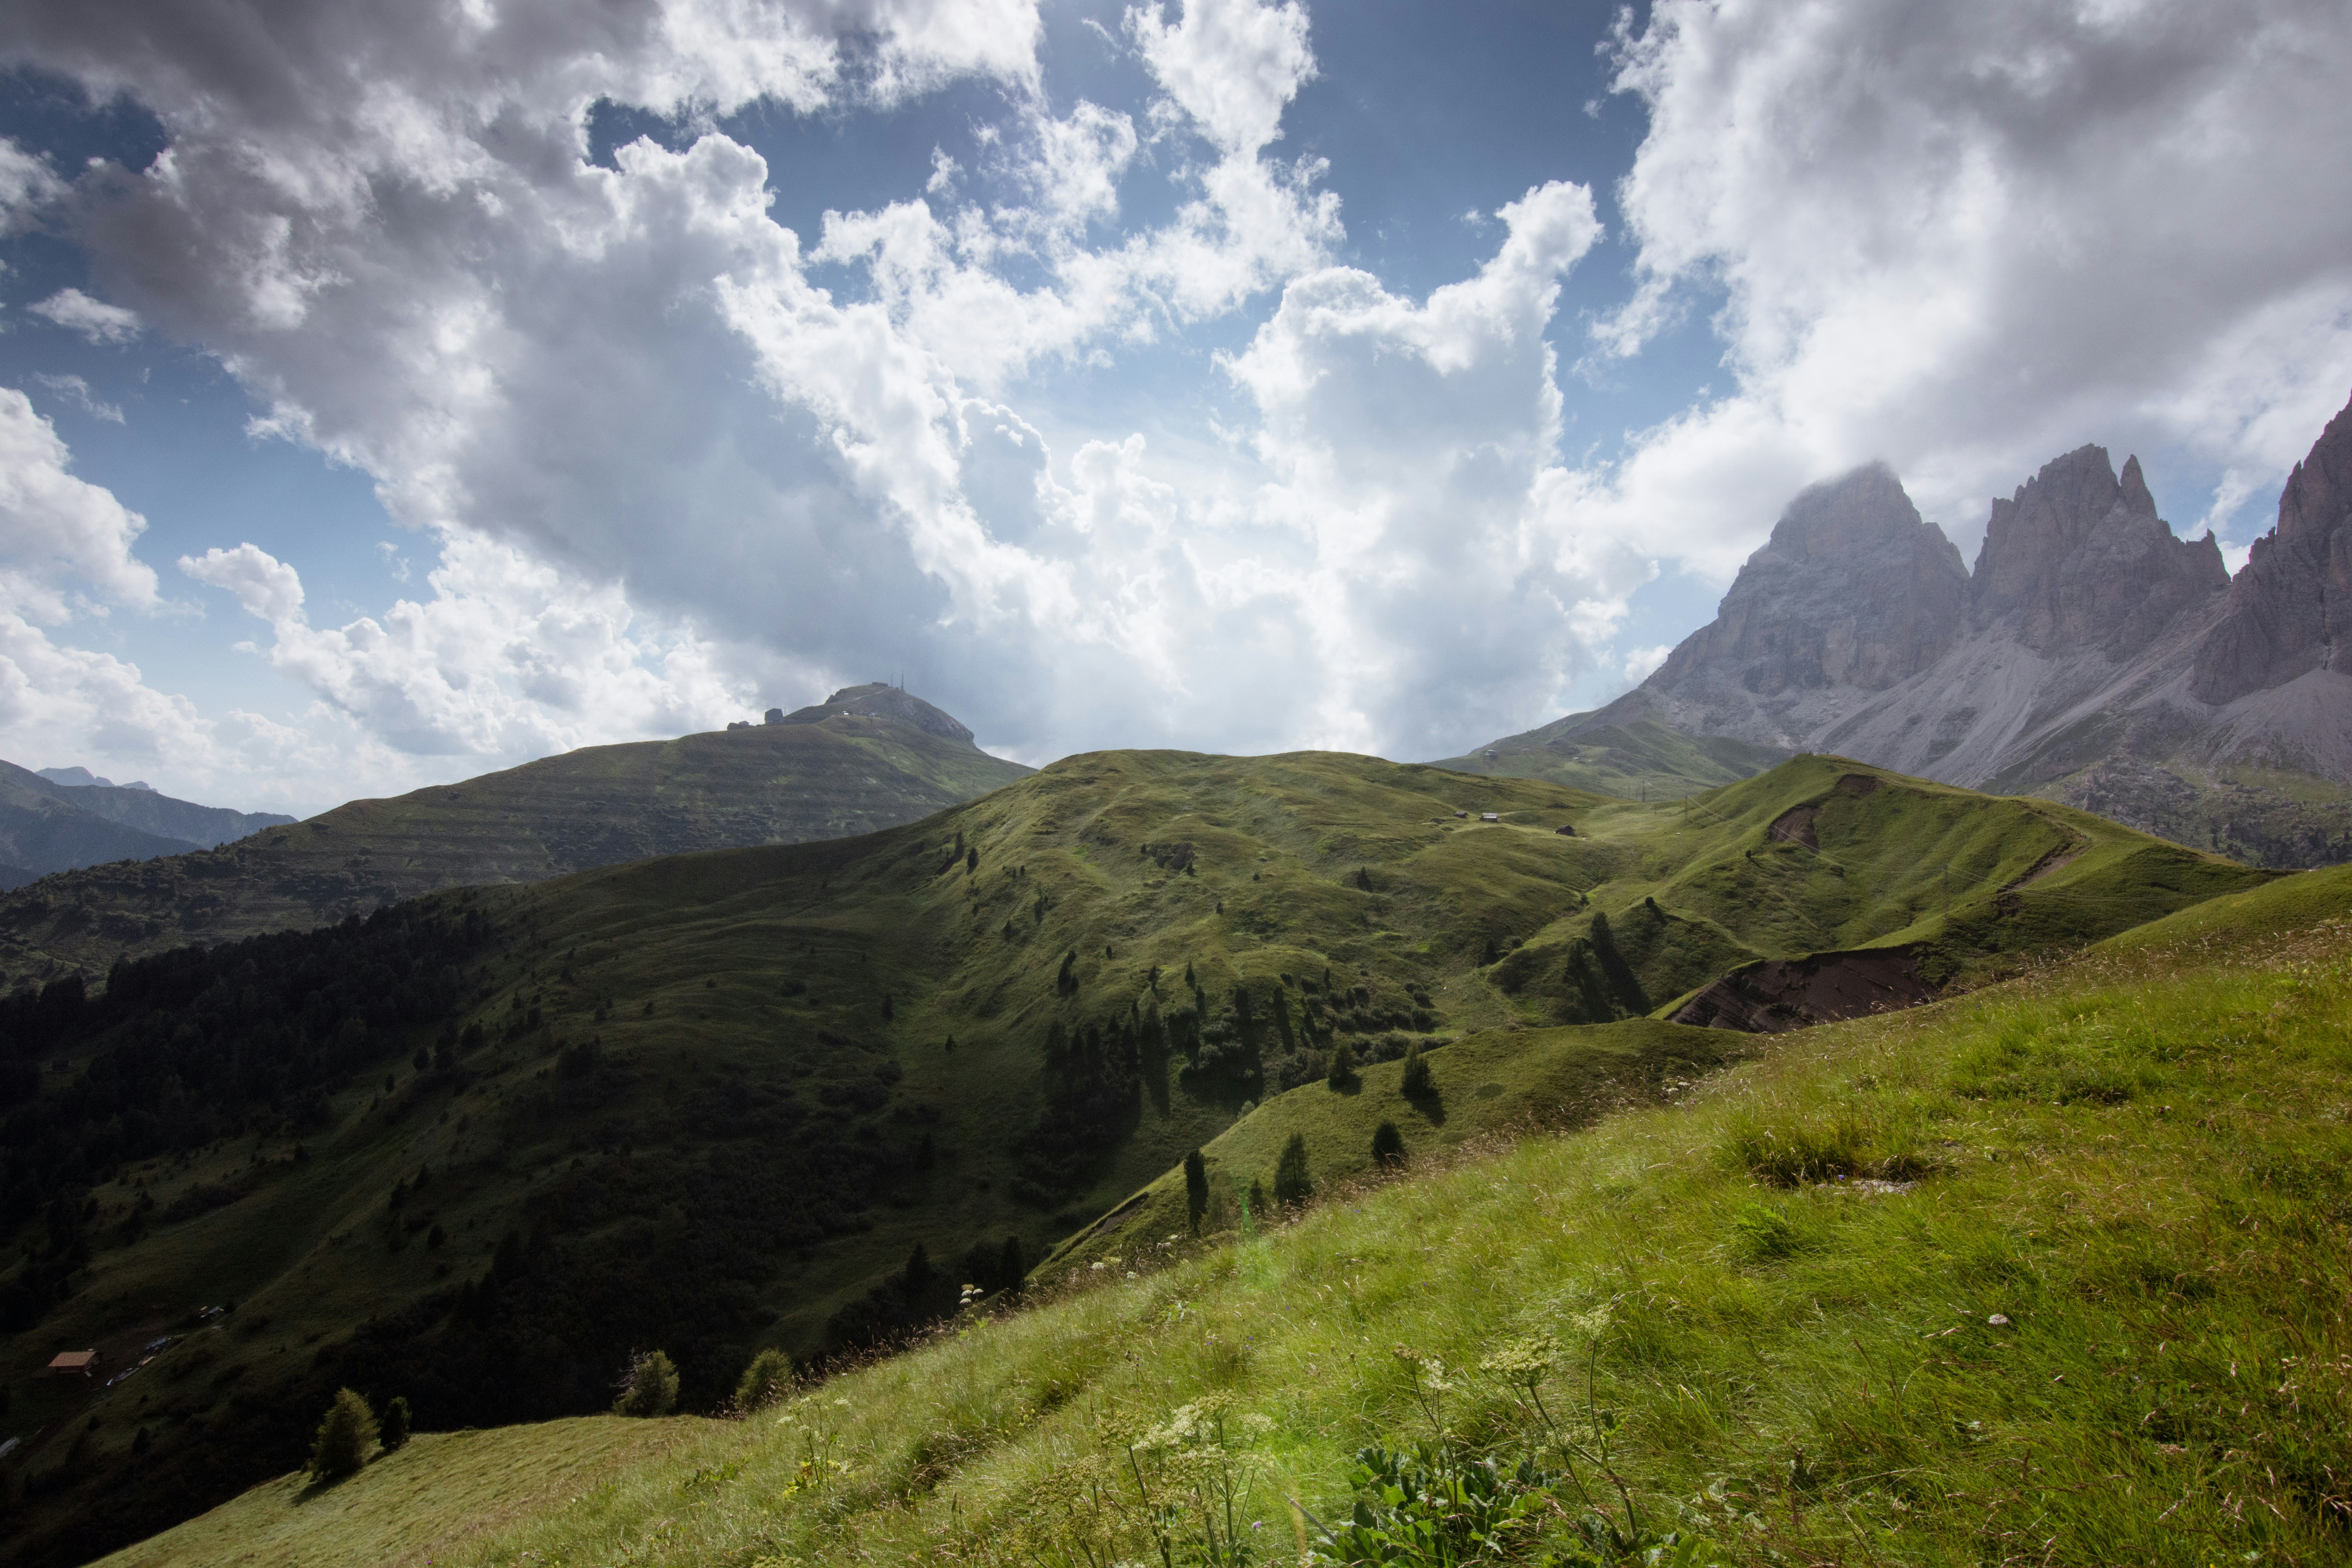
x=1640, y=759
x=2025, y=1276
x=775, y=784
x=480, y=1148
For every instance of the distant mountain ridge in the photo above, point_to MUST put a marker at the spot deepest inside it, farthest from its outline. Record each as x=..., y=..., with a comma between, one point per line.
x=2090, y=656
x=851, y=771
x=142, y=806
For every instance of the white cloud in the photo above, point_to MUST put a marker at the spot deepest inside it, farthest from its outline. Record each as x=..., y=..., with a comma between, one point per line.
x=509, y=657
x=1966, y=238
x=76, y=392
x=59, y=535
x=1231, y=65
x=1640, y=661
x=26, y=183
x=93, y=319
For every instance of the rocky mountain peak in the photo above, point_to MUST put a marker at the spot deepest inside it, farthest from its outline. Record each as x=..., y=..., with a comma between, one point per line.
x=880, y=699
x=2077, y=559
x=1854, y=591
x=2290, y=611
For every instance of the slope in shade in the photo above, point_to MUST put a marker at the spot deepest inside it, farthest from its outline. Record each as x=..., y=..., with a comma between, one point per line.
x=787, y=782
x=2003, y=1207
x=479, y=1148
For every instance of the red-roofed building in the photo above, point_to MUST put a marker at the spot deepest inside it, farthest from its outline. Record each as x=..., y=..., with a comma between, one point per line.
x=73, y=1364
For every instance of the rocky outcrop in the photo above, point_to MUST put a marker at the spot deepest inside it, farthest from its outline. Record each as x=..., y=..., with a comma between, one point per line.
x=1854, y=592
x=880, y=699
x=2290, y=611
x=2077, y=561
x=2091, y=657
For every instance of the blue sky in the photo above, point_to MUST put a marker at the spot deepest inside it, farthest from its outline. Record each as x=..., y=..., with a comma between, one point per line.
x=389, y=394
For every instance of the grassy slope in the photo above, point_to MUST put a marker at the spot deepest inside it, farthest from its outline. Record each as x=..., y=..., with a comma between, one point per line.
x=1640, y=759
x=773, y=784
x=714, y=944
x=1482, y=1087
x=2100, y=1326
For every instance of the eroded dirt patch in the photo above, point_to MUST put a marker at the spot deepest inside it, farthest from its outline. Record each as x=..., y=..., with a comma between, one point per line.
x=1795, y=825
x=1782, y=993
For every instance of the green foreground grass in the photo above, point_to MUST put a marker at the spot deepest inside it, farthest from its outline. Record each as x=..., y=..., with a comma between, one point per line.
x=2052, y=1273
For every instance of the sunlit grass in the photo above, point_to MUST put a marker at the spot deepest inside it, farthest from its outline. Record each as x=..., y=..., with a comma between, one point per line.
x=2078, y=1299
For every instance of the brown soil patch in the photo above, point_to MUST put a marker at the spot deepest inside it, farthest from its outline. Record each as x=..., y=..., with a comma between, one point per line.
x=1783, y=993
x=1795, y=825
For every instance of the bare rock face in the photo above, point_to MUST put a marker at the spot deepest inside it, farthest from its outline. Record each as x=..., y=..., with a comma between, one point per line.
x=880, y=699
x=1854, y=592
x=2077, y=559
x=2290, y=611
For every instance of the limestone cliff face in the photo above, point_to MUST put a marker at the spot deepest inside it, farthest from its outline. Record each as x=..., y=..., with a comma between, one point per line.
x=1854, y=592
x=2077, y=561
x=2290, y=610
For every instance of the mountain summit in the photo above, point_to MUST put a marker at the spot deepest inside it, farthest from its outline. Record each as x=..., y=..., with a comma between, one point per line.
x=880, y=699
x=2090, y=656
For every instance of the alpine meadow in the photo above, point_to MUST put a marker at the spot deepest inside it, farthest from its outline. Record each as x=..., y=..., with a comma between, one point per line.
x=1175, y=783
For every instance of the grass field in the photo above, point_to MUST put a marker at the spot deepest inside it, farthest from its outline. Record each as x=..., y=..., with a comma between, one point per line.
x=718, y=1102
x=1639, y=760
x=2052, y=1273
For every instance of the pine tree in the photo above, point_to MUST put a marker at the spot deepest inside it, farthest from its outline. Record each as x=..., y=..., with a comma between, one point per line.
x=344, y=1437
x=1388, y=1146
x=1364, y=877
x=1196, y=1188
x=394, y=1428
x=1343, y=1066
x=1292, y=1184
x=1416, y=1072
x=650, y=1387
x=1011, y=1268
x=768, y=1379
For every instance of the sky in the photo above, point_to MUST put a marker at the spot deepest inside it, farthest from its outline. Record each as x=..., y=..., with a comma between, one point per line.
x=390, y=393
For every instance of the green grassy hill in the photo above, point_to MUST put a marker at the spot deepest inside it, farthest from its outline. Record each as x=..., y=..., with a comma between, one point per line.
x=774, y=783
x=2042, y=1273
x=478, y=1149
x=1636, y=759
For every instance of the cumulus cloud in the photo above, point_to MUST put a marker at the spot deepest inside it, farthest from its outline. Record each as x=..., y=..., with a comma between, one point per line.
x=1966, y=238
x=93, y=319
x=61, y=539
x=509, y=657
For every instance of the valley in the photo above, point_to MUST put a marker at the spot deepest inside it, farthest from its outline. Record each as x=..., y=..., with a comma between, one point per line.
x=718, y=1100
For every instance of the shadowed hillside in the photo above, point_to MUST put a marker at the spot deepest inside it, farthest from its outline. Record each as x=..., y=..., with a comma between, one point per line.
x=480, y=1148
x=773, y=784
x=2026, y=1274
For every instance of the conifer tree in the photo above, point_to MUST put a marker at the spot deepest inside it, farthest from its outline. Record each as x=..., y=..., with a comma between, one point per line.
x=1011, y=1267
x=1343, y=1066
x=393, y=1430
x=344, y=1437
x=768, y=1379
x=1196, y=1188
x=1416, y=1072
x=650, y=1388
x=1388, y=1146
x=1292, y=1184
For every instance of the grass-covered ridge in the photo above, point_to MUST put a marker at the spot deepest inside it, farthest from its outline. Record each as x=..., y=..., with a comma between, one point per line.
x=2049, y=1273
x=600, y=804
x=715, y=1101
